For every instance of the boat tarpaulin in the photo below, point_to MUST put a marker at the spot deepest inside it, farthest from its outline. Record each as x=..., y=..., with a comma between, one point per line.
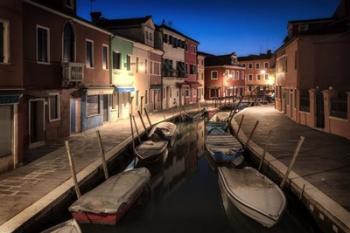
x=110, y=195
x=70, y=226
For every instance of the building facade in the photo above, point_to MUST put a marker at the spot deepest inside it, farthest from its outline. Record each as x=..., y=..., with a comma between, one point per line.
x=311, y=88
x=259, y=75
x=224, y=77
x=200, y=76
x=191, y=85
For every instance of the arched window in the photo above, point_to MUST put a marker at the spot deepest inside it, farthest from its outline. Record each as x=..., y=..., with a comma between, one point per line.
x=68, y=43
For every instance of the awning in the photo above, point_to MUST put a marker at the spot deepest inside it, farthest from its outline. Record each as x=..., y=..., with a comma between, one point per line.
x=193, y=83
x=10, y=97
x=124, y=89
x=99, y=91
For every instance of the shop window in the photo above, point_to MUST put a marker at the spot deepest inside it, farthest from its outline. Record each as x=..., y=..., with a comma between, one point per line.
x=93, y=105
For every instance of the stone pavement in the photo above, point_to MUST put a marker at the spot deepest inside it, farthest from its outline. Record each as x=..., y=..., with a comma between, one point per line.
x=324, y=159
x=26, y=185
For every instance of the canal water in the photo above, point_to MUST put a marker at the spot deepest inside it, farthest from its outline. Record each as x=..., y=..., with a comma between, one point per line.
x=184, y=196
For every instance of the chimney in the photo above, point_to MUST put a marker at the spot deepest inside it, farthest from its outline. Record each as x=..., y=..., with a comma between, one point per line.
x=95, y=16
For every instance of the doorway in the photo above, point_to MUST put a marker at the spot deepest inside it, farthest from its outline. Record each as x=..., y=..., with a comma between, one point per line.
x=36, y=122
x=105, y=108
x=319, y=110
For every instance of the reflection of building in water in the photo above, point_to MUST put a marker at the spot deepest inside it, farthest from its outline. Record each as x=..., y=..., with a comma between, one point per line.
x=200, y=138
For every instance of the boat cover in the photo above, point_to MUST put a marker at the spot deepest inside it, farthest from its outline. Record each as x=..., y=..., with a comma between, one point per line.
x=220, y=117
x=150, y=148
x=167, y=129
x=225, y=144
x=70, y=226
x=254, y=190
x=111, y=194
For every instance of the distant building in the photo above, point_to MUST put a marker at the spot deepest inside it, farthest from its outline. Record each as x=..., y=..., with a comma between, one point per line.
x=312, y=73
x=258, y=73
x=200, y=75
x=191, y=85
x=224, y=76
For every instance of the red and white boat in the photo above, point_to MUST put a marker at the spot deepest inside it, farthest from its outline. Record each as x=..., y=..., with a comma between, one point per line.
x=108, y=202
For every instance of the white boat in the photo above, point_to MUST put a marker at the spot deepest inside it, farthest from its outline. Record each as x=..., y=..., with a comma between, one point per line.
x=151, y=150
x=70, y=226
x=108, y=202
x=165, y=130
x=253, y=194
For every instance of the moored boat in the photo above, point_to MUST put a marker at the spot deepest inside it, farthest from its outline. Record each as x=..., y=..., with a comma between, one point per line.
x=109, y=201
x=70, y=226
x=166, y=130
x=253, y=194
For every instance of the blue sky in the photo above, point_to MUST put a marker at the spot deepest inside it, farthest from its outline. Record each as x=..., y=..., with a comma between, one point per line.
x=221, y=26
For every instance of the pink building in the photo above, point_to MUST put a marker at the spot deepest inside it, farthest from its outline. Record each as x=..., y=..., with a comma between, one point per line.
x=190, y=89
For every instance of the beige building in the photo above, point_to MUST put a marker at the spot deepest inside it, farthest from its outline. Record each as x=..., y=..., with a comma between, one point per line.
x=312, y=74
x=259, y=74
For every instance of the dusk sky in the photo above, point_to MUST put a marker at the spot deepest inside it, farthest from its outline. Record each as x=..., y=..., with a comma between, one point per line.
x=221, y=26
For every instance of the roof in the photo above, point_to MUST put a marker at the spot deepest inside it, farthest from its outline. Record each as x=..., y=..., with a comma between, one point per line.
x=221, y=60
x=319, y=20
x=255, y=57
x=126, y=22
x=176, y=31
x=204, y=54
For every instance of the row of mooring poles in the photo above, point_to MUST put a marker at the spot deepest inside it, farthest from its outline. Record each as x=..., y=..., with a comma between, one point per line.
x=294, y=157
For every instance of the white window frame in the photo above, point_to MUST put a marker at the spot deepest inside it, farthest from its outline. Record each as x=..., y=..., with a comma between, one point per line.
x=120, y=60
x=268, y=65
x=258, y=77
x=250, y=77
x=217, y=75
x=58, y=107
x=6, y=40
x=92, y=54
x=107, y=58
x=257, y=65
x=48, y=45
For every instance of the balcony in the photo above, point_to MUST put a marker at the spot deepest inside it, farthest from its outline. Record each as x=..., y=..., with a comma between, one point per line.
x=72, y=73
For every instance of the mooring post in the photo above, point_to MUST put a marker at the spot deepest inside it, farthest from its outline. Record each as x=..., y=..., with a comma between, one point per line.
x=72, y=169
x=132, y=134
x=291, y=164
x=137, y=129
x=142, y=121
x=251, y=133
x=240, y=124
x=265, y=148
x=103, y=156
x=149, y=120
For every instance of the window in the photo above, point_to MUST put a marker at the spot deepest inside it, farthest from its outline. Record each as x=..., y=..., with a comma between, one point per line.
x=146, y=66
x=250, y=77
x=42, y=44
x=54, y=107
x=105, y=57
x=266, y=65
x=170, y=39
x=151, y=67
x=4, y=42
x=250, y=66
x=68, y=43
x=213, y=93
x=266, y=77
x=237, y=75
x=137, y=98
x=116, y=60
x=257, y=66
x=296, y=59
x=93, y=105
x=214, y=75
x=258, y=77
x=128, y=62
x=202, y=76
x=165, y=38
x=243, y=65
x=242, y=75
x=89, y=53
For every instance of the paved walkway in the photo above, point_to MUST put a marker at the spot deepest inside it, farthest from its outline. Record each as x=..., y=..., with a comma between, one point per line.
x=23, y=187
x=324, y=159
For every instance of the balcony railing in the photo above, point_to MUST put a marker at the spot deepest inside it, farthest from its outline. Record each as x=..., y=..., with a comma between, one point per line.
x=72, y=72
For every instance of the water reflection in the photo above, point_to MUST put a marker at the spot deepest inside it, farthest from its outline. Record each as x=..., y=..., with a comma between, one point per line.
x=184, y=196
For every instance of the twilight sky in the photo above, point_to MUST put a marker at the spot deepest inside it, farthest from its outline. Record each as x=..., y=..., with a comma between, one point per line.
x=221, y=26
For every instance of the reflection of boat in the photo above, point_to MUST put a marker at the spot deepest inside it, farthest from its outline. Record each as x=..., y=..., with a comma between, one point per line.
x=70, y=226
x=253, y=194
x=108, y=202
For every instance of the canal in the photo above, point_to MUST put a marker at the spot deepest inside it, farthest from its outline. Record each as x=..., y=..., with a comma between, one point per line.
x=184, y=197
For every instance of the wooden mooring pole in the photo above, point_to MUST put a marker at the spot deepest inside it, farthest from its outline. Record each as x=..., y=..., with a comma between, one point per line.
x=240, y=124
x=103, y=155
x=149, y=120
x=251, y=133
x=142, y=121
x=137, y=129
x=72, y=169
x=265, y=148
x=291, y=164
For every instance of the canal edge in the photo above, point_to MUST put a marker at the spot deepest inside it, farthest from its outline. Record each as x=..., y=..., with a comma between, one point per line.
x=48, y=201
x=318, y=203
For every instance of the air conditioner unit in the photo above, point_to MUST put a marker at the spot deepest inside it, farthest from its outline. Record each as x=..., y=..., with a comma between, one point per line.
x=73, y=72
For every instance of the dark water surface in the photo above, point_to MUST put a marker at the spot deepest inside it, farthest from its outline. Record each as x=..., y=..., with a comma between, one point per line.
x=185, y=197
